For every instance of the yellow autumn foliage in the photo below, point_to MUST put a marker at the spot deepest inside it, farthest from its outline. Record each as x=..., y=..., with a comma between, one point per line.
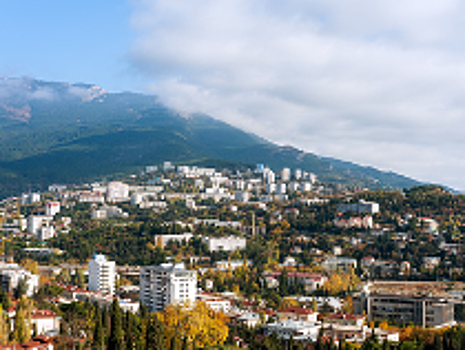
x=198, y=323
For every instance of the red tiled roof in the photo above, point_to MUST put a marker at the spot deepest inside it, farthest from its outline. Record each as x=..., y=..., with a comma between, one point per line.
x=298, y=310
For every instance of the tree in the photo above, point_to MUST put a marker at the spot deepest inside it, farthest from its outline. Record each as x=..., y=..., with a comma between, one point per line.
x=21, y=288
x=98, y=341
x=115, y=342
x=3, y=328
x=79, y=278
x=31, y=265
x=198, y=323
x=5, y=300
x=22, y=327
x=154, y=334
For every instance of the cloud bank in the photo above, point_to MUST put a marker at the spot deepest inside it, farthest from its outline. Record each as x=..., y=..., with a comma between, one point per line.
x=376, y=82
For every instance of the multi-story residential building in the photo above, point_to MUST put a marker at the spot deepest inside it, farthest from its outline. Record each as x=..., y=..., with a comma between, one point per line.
x=40, y=225
x=102, y=274
x=117, y=192
x=360, y=207
x=339, y=263
x=167, y=284
x=29, y=198
x=422, y=310
x=11, y=275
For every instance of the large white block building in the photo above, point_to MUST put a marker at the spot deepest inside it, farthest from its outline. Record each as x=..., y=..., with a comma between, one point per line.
x=229, y=244
x=117, y=192
x=102, y=274
x=167, y=284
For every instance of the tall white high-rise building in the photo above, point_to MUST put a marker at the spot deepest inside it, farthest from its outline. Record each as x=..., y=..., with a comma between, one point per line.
x=102, y=274
x=167, y=284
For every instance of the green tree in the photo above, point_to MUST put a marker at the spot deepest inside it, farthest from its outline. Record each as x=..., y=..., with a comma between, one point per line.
x=3, y=328
x=79, y=278
x=154, y=337
x=98, y=341
x=116, y=341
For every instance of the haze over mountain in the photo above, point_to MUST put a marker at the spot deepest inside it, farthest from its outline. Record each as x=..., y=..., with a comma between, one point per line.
x=60, y=133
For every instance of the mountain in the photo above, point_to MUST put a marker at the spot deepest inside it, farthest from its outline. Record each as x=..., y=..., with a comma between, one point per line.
x=62, y=133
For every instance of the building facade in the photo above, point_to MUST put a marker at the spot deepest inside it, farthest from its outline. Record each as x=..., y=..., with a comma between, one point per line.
x=167, y=284
x=422, y=310
x=102, y=275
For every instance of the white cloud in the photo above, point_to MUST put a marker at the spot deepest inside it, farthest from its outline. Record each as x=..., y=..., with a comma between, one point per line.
x=376, y=82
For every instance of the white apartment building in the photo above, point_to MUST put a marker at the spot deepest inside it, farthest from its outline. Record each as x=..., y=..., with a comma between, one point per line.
x=117, y=192
x=36, y=222
x=108, y=212
x=12, y=274
x=339, y=263
x=102, y=274
x=167, y=284
x=29, y=198
x=360, y=207
x=229, y=244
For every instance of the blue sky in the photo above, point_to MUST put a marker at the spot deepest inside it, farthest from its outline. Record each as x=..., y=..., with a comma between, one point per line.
x=72, y=40
x=376, y=82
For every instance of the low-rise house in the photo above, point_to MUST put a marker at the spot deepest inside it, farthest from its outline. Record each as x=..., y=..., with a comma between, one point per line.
x=298, y=330
x=298, y=313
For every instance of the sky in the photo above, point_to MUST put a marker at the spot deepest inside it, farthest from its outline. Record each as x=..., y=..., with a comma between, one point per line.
x=379, y=83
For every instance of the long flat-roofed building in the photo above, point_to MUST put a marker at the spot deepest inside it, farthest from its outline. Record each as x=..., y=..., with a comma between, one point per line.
x=422, y=310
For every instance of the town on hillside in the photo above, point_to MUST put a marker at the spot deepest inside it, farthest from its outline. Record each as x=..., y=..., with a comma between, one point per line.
x=188, y=257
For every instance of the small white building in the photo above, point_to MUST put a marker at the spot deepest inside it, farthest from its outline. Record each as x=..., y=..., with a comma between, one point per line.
x=52, y=208
x=298, y=330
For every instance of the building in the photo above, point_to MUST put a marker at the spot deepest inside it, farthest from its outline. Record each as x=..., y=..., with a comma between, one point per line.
x=421, y=310
x=162, y=240
x=29, y=198
x=40, y=226
x=228, y=244
x=359, y=208
x=11, y=275
x=298, y=330
x=215, y=303
x=108, y=212
x=298, y=313
x=52, y=208
x=167, y=284
x=117, y=192
x=286, y=174
x=339, y=263
x=102, y=274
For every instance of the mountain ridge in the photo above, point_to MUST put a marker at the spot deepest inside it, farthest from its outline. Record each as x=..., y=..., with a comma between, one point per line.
x=79, y=132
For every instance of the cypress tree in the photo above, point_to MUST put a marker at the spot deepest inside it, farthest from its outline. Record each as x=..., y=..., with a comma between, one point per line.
x=129, y=336
x=174, y=343
x=99, y=336
x=154, y=338
x=115, y=342
x=19, y=334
